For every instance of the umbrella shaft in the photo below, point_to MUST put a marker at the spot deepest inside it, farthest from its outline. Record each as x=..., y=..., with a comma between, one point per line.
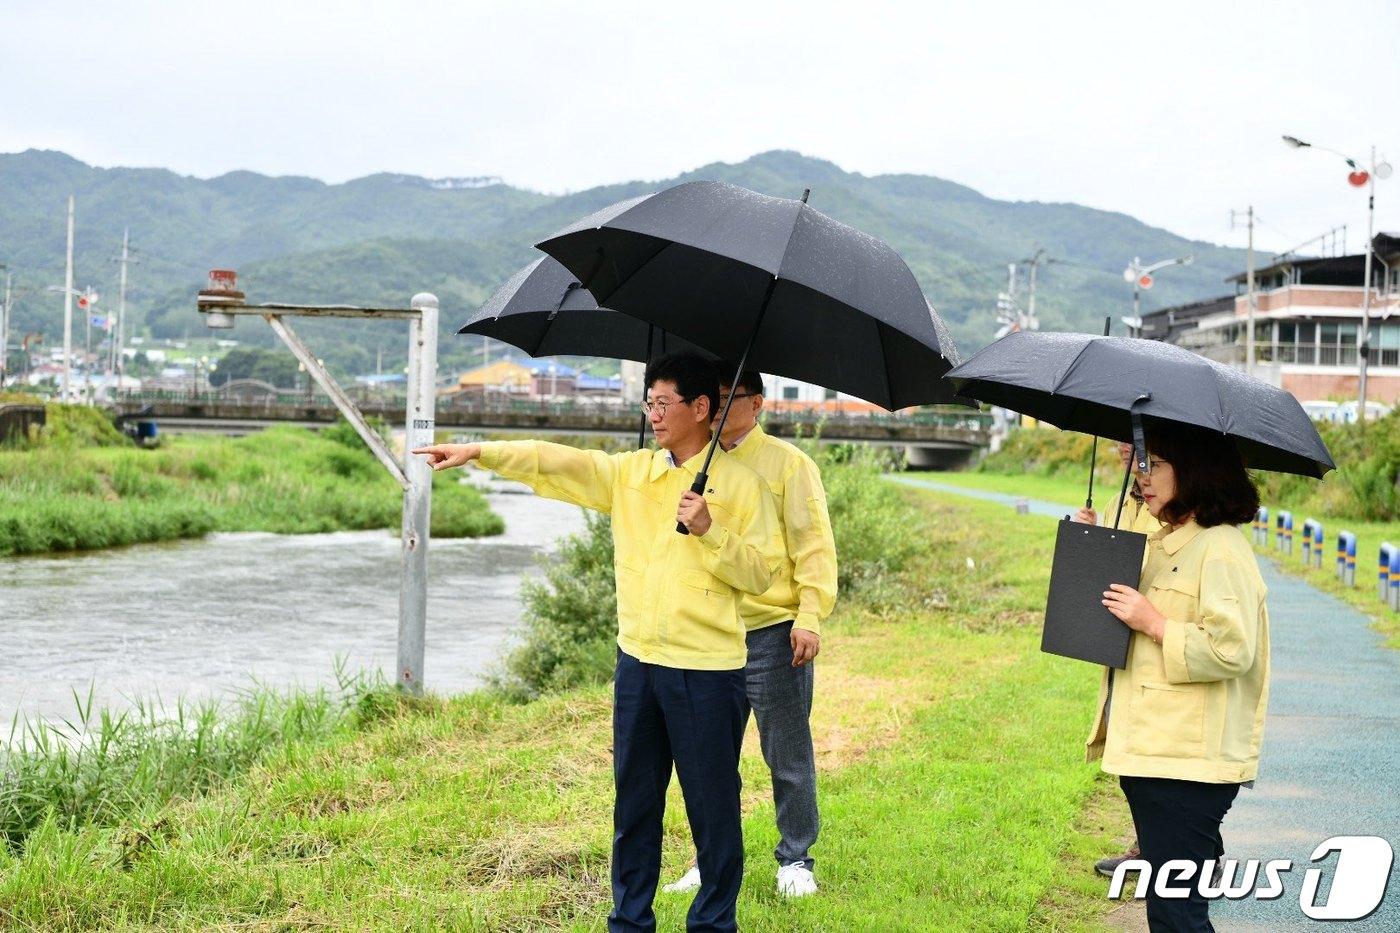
x=704, y=475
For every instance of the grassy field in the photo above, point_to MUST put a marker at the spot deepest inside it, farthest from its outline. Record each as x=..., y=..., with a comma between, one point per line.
x=1369, y=536
x=82, y=486
x=954, y=792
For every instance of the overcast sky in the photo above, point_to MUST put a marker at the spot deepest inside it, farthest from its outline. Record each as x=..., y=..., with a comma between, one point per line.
x=1171, y=112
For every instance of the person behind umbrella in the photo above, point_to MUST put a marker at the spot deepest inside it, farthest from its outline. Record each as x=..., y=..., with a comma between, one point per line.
x=1183, y=725
x=784, y=631
x=1136, y=517
x=678, y=690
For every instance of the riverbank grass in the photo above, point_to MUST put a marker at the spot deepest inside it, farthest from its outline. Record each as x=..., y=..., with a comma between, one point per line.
x=950, y=757
x=79, y=488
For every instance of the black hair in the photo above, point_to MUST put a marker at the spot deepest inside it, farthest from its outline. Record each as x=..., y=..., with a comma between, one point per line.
x=750, y=380
x=1212, y=484
x=693, y=375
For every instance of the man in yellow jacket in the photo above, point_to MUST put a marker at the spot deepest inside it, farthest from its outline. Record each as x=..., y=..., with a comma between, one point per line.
x=784, y=632
x=678, y=689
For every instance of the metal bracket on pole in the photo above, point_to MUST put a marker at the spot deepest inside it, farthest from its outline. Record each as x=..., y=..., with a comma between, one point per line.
x=342, y=402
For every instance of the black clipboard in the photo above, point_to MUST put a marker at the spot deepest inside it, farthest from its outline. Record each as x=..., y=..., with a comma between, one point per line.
x=1087, y=559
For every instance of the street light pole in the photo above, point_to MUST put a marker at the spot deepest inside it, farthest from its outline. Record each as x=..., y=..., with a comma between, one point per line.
x=1363, y=349
x=1357, y=178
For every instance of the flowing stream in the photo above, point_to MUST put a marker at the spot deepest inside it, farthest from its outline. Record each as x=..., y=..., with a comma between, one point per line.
x=199, y=618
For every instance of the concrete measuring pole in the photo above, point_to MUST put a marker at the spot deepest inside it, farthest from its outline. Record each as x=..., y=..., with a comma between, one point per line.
x=417, y=499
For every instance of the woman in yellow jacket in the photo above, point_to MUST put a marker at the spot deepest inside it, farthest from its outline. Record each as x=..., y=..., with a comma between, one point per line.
x=1182, y=722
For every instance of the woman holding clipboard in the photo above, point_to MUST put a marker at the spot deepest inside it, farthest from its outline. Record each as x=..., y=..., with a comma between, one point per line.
x=1183, y=724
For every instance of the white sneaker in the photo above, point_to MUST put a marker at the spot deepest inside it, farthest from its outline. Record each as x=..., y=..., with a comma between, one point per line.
x=690, y=881
x=796, y=880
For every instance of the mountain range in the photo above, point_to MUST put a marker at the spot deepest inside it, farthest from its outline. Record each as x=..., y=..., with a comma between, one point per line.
x=381, y=238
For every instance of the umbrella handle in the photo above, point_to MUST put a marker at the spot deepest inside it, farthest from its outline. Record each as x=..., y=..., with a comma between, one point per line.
x=697, y=487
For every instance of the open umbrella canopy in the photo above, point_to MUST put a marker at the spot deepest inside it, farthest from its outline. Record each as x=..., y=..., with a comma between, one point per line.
x=1091, y=384
x=542, y=310
x=728, y=269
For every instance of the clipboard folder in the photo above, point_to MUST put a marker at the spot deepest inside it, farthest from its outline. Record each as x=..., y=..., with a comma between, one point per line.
x=1087, y=559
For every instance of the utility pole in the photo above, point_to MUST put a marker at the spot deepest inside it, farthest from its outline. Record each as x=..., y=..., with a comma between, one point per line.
x=1251, y=300
x=117, y=366
x=1036, y=259
x=5, y=328
x=68, y=313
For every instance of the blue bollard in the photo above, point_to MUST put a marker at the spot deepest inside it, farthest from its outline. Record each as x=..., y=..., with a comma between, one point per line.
x=1317, y=544
x=1395, y=581
x=1284, y=539
x=1307, y=541
x=1346, y=557
x=1261, y=527
x=1387, y=558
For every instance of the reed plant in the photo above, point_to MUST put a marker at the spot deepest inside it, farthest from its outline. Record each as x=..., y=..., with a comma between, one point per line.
x=99, y=766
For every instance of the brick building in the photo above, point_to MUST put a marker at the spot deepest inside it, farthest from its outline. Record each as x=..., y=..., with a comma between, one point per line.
x=1308, y=313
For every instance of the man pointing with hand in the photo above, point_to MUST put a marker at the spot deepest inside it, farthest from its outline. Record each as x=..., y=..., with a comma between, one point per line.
x=678, y=689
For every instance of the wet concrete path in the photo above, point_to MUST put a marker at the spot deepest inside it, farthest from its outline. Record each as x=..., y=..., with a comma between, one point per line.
x=1330, y=764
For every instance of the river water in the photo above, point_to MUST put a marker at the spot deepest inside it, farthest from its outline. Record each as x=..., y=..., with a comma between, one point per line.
x=207, y=617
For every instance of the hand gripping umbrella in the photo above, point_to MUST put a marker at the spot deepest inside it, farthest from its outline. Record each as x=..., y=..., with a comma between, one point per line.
x=541, y=310
x=1107, y=385
x=769, y=282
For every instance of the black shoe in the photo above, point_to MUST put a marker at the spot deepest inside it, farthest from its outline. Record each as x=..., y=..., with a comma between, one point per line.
x=1106, y=866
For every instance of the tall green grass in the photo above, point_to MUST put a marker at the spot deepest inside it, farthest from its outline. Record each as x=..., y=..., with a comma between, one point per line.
x=81, y=485
x=99, y=766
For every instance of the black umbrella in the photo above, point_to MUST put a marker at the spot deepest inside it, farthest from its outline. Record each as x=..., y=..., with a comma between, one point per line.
x=1106, y=385
x=770, y=282
x=542, y=310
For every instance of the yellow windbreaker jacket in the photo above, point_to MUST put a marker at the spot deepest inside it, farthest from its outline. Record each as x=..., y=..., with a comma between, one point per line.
x=677, y=595
x=1192, y=708
x=804, y=585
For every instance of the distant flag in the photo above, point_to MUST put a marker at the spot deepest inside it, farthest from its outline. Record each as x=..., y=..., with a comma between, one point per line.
x=104, y=323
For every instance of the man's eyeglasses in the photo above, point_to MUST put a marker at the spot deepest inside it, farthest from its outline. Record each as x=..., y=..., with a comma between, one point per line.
x=724, y=399
x=659, y=407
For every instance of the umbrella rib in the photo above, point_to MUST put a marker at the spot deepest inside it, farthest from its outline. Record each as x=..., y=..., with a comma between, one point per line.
x=1055, y=389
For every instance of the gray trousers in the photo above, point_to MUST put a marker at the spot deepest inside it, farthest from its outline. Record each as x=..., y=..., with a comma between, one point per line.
x=780, y=696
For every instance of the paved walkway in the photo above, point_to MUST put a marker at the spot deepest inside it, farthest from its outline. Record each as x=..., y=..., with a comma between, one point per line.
x=1330, y=764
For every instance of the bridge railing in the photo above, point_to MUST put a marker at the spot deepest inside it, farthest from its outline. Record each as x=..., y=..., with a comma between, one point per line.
x=373, y=402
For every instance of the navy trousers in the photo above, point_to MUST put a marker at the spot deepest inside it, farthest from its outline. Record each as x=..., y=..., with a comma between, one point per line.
x=1178, y=820
x=694, y=720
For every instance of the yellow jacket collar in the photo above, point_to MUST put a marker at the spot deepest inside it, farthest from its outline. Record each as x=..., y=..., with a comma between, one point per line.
x=1173, y=541
x=752, y=439
x=661, y=462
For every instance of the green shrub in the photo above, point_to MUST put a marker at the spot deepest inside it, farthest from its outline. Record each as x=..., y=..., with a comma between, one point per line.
x=570, y=616
x=1365, y=485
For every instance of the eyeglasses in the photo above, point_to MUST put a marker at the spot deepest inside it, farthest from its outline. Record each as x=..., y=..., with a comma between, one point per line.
x=724, y=399
x=659, y=407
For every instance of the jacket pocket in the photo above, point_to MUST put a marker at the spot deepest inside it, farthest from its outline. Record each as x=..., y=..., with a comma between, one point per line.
x=705, y=620
x=1167, y=721
x=711, y=585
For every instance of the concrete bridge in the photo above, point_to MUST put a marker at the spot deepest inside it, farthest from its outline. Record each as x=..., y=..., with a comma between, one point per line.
x=936, y=438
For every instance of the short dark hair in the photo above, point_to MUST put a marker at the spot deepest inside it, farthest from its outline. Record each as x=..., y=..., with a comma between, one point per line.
x=693, y=375
x=1212, y=484
x=750, y=380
